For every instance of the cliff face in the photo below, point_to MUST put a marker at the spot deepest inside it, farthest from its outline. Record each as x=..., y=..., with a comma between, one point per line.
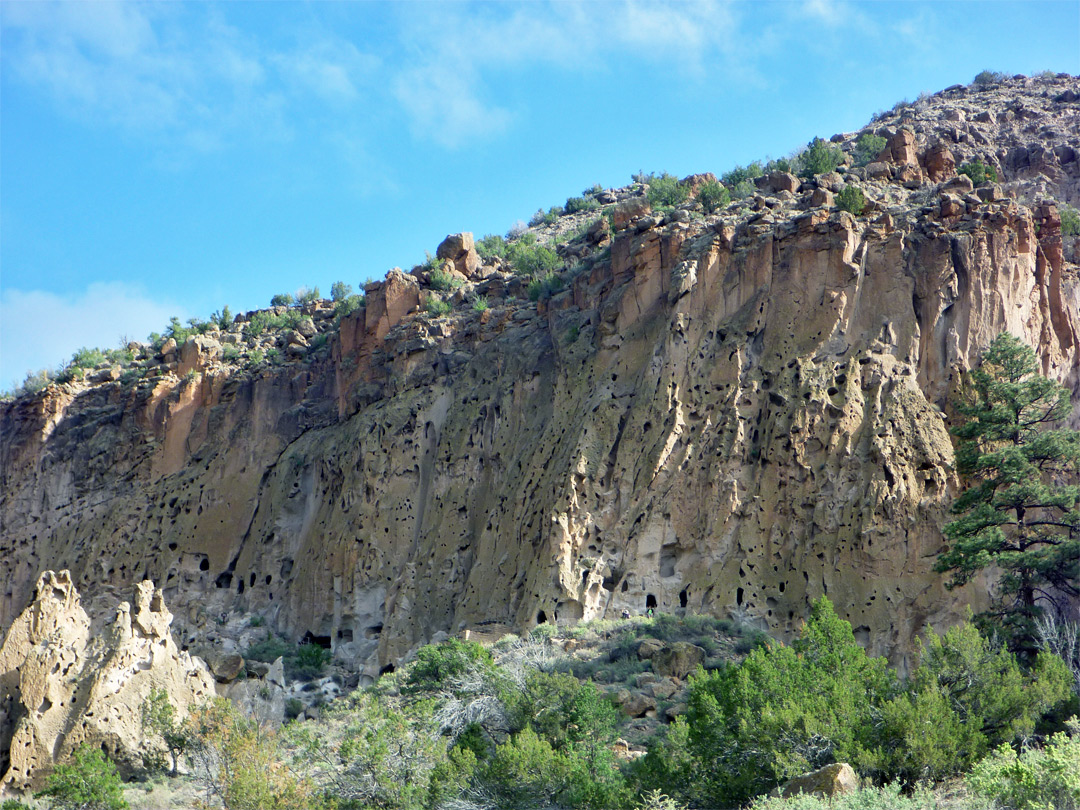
x=726, y=414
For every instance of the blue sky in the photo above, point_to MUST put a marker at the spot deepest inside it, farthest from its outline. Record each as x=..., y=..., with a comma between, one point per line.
x=167, y=159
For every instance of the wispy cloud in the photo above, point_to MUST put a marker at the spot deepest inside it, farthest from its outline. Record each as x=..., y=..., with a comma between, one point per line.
x=445, y=92
x=168, y=70
x=184, y=71
x=40, y=329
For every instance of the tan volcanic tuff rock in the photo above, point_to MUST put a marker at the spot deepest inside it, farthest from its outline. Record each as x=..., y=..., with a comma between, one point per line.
x=731, y=415
x=831, y=780
x=460, y=249
x=62, y=687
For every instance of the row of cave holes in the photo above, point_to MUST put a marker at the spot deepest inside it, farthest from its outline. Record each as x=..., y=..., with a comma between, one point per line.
x=650, y=604
x=224, y=579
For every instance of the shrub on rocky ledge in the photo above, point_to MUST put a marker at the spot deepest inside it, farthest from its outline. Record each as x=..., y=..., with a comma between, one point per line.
x=851, y=199
x=575, y=204
x=437, y=307
x=979, y=172
x=1070, y=221
x=713, y=196
x=868, y=147
x=665, y=190
x=820, y=157
x=988, y=77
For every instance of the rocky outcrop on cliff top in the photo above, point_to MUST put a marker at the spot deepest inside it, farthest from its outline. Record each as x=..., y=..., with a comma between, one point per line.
x=62, y=686
x=728, y=413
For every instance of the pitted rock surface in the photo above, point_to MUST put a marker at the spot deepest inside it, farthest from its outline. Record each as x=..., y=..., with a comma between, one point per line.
x=730, y=414
x=62, y=686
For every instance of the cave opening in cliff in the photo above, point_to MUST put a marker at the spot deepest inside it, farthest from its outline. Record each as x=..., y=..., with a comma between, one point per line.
x=322, y=641
x=650, y=601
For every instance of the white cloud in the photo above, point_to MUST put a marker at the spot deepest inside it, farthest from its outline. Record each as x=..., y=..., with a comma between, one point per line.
x=175, y=71
x=333, y=69
x=182, y=71
x=40, y=329
x=444, y=91
x=834, y=14
x=445, y=107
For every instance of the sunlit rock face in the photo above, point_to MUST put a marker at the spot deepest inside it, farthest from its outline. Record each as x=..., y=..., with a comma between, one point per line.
x=63, y=684
x=729, y=414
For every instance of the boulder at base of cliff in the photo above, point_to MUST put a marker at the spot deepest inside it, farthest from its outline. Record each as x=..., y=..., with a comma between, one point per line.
x=62, y=687
x=832, y=780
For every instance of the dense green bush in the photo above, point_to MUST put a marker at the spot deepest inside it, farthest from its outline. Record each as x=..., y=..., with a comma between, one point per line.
x=491, y=246
x=740, y=174
x=339, y=291
x=306, y=296
x=966, y=696
x=1070, y=220
x=575, y=204
x=788, y=710
x=665, y=190
x=33, y=382
x=543, y=287
x=979, y=172
x=86, y=359
x=262, y=321
x=868, y=147
x=436, y=307
x=785, y=710
x=851, y=199
x=546, y=218
x=223, y=319
x=348, y=305
x=820, y=157
x=1037, y=779
x=310, y=660
x=281, y=300
x=530, y=258
x=269, y=650
x=564, y=711
x=443, y=280
x=713, y=196
x=438, y=665
x=88, y=782
x=558, y=754
x=480, y=304
x=987, y=77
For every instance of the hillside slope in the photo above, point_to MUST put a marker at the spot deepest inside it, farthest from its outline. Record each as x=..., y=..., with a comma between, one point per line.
x=724, y=413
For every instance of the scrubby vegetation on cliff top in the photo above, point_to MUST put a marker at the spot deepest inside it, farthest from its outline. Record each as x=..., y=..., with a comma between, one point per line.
x=563, y=241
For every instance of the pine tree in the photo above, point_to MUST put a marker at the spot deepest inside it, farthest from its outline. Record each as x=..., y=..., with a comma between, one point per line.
x=1019, y=511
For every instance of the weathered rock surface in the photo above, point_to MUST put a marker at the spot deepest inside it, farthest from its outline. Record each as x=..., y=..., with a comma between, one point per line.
x=726, y=414
x=677, y=660
x=831, y=780
x=459, y=248
x=62, y=686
